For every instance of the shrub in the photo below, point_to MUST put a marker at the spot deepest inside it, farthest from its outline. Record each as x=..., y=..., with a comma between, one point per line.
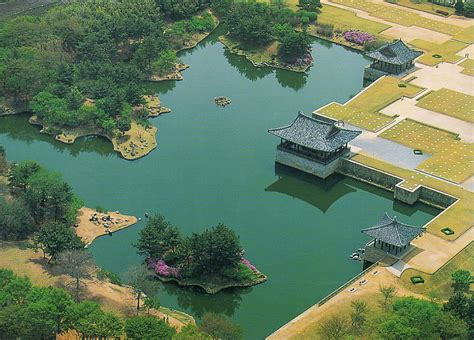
x=304, y=20
x=373, y=45
x=325, y=30
x=358, y=37
x=239, y=273
x=103, y=274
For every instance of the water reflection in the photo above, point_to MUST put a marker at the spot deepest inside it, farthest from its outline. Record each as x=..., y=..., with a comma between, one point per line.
x=192, y=299
x=293, y=80
x=320, y=193
x=245, y=67
x=17, y=128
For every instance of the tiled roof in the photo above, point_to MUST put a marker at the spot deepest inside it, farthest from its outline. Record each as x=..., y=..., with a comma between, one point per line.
x=315, y=134
x=395, y=53
x=391, y=231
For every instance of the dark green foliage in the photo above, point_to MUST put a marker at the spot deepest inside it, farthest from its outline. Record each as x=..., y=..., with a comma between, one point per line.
x=178, y=9
x=469, y=9
x=462, y=307
x=250, y=22
x=147, y=327
x=55, y=238
x=239, y=273
x=158, y=237
x=461, y=279
x=310, y=5
x=459, y=6
x=293, y=45
x=215, y=249
x=16, y=222
x=103, y=274
x=219, y=327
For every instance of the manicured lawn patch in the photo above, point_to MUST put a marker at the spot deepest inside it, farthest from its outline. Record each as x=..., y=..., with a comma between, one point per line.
x=451, y=103
x=401, y=16
x=425, y=6
x=466, y=35
x=458, y=217
x=439, y=284
x=468, y=65
x=364, y=110
x=447, y=231
x=416, y=280
x=256, y=55
x=451, y=159
x=436, y=53
x=345, y=20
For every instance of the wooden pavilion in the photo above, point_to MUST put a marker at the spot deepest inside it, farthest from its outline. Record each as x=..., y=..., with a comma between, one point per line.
x=389, y=237
x=393, y=58
x=312, y=145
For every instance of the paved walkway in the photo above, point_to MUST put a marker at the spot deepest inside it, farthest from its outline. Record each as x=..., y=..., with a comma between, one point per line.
x=406, y=108
x=428, y=258
x=444, y=75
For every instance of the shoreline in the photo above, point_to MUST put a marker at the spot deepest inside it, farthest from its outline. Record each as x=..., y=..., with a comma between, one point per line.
x=88, y=230
x=234, y=49
x=214, y=289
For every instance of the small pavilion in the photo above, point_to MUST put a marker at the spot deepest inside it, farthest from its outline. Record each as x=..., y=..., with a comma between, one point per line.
x=317, y=140
x=393, y=58
x=389, y=237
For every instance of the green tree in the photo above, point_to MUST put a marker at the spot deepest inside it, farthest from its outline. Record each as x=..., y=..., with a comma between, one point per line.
x=16, y=222
x=74, y=98
x=20, y=175
x=461, y=279
x=459, y=6
x=76, y=263
x=250, y=22
x=152, y=302
x=55, y=238
x=293, y=45
x=451, y=327
x=219, y=327
x=91, y=322
x=310, y=5
x=157, y=238
x=191, y=332
x=165, y=63
x=215, y=249
x=143, y=283
x=358, y=315
x=469, y=9
x=147, y=327
x=388, y=293
x=334, y=327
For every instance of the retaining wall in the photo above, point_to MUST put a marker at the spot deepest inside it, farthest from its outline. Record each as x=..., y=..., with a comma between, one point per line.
x=307, y=165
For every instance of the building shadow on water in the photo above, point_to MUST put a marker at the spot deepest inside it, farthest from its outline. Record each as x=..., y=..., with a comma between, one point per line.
x=18, y=128
x=320, y=193
x=198, y=302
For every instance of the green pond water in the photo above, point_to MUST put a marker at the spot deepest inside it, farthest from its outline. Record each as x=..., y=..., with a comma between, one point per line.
x=216, y=165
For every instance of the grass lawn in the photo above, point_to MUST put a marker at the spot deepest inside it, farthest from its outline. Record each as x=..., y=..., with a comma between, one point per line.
x=468, y=65
x=458, y=217
x=364, y=110
x=450, y=103
x=439, y=284
x=451, y=159
x=346, y=20
x=256, y=55
x=425, y=6
x=466, y=35
x=401, y=16
x=445, y=52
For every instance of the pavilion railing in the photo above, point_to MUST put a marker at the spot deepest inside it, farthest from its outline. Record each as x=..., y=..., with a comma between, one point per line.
x=310, y=156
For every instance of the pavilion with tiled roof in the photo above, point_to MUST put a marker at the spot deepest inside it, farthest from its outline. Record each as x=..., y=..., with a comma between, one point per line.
x=391, y=235
x=320, y=140
x=393, y=58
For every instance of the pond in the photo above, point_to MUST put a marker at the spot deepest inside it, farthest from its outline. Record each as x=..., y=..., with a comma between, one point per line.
x=216, y=164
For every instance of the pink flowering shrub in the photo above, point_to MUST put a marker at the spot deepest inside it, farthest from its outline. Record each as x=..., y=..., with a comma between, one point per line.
x=161, y=268
x=249, y=265
x=358, y=37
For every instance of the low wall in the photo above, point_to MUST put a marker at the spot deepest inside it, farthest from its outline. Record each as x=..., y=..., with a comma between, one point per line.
x=307, y=165
x=366, y=174
x=390, y=182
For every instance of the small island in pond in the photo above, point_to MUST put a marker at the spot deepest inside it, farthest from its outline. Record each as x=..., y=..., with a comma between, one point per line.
x=212, y=260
